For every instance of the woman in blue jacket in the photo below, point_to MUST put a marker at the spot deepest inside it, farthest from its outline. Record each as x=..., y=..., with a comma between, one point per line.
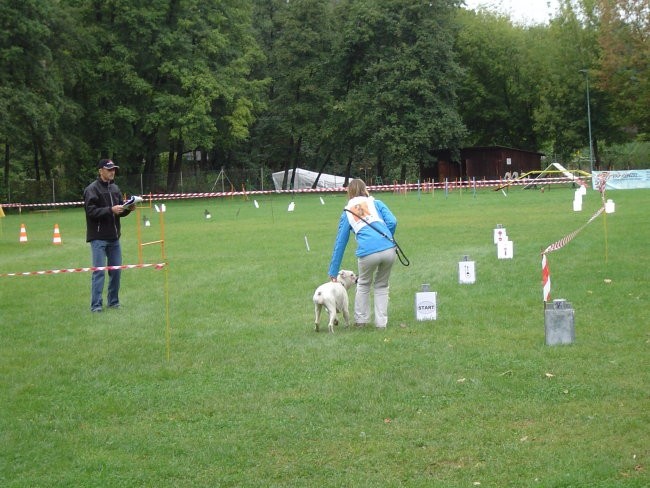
x=373, y=225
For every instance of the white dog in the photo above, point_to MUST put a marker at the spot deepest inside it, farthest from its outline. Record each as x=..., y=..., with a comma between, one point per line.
x=333, y=295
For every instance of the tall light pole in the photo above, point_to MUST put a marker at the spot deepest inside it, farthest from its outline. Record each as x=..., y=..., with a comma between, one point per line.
x=591, y=146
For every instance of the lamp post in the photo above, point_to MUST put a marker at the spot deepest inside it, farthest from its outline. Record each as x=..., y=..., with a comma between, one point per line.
x=591, y=146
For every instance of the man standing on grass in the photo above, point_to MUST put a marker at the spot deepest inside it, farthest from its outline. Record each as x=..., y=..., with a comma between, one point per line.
x=104, y=209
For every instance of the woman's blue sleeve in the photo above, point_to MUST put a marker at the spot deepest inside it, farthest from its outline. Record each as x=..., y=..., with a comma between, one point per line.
x=342, y=237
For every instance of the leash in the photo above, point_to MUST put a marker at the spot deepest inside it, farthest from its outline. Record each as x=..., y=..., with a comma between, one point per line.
x=398, y=250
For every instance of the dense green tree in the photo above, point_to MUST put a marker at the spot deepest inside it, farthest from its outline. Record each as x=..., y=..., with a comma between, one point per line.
x=500, y=88
x=624, y=68
x=565, y=48
x=297, y=36
x=325, y=84
x=171, y=76
x=398, y=82
x=32, y=80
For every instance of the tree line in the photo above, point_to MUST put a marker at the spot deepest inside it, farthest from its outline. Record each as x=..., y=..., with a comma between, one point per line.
x=167, y=86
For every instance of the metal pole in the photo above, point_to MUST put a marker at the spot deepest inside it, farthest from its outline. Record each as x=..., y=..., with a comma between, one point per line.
x=591, y=146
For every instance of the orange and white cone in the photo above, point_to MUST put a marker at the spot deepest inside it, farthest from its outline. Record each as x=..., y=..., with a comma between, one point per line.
x=57, y=235
x=23, y=233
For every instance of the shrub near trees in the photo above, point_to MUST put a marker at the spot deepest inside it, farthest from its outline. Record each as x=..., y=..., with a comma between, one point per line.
x=331, y=86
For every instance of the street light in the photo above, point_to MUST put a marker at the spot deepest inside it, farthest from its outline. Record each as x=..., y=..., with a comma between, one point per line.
x=591, y=146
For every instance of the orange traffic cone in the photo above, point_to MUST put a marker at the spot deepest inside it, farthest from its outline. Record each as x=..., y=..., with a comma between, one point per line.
x=57, y=235
x=23, y=233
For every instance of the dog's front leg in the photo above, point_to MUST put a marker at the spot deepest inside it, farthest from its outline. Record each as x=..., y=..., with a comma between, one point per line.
x=346, y=316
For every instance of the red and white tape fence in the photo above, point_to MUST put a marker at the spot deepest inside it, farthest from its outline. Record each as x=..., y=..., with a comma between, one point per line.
x=546, y=280
x=565, y=240
x=84, y=270
x=546, y=275
x=398, y=187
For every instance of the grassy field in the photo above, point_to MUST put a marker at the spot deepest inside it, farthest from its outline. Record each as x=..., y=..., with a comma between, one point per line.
x=251, y=396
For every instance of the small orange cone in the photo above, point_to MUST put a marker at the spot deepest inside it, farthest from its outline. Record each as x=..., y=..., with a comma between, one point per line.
x=57, y=235
x=23, y=233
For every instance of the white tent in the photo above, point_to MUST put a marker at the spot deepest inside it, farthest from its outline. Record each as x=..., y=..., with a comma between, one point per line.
x=305, y=179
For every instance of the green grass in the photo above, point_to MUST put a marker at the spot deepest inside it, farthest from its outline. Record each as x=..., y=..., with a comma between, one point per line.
x=252, y=396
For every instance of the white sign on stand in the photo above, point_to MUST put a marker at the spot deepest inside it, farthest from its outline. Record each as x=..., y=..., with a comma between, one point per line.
x=466, y=271
x=505, y=250
x=500, y=234
x=425, y=304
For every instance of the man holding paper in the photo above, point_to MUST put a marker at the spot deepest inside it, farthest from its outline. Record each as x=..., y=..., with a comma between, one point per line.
x=104, y=209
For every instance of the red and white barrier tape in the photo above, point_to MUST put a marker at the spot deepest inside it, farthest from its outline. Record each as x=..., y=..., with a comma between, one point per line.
x=546, y=280
x=565, y=240
x=424, y=186
x=84, y=270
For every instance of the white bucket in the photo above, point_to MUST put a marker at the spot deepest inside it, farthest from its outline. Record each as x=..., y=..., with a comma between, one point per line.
x=577, y=204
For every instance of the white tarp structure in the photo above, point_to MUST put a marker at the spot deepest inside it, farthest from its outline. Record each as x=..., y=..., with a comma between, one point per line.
x=305, y=179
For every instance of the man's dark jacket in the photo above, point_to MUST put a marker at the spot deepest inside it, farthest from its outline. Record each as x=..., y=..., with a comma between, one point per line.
x=101, y=222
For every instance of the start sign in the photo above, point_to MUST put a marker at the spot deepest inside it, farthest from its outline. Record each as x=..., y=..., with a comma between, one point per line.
x=425, y=305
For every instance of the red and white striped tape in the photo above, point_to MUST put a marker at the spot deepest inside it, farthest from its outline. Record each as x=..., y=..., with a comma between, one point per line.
x=546, y=275
x=83, y=270
x=565, y=240
x=423, y=186
x=546, y=280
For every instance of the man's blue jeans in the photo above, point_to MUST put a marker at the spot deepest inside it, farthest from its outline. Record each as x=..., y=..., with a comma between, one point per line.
x=105, y=253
